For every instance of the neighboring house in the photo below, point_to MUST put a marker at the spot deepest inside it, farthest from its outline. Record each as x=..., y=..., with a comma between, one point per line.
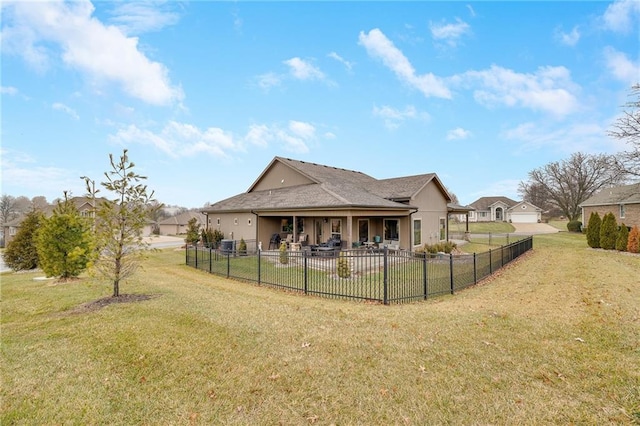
x=177, y=225
x=622, y=201
x=83, y=204
x=501, y=209
x=309, y=202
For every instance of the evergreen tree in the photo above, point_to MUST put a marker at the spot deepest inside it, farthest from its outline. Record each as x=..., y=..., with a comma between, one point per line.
x=593, y=230
x=633, y=243
x=64, y=242
x=120, y=222
x=21, y=253
x=623, y=238
x=608, y=232
x=193, y=231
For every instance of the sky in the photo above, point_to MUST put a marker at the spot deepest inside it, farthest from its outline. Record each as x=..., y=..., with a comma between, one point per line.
x=204, y=95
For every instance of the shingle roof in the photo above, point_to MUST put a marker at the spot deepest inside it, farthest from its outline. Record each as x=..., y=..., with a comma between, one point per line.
x=183, y=218
x=627, y=194
x=483, y=203
x=334, y=187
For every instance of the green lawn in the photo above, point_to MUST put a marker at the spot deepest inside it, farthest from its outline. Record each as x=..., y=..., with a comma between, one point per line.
x=552, y=339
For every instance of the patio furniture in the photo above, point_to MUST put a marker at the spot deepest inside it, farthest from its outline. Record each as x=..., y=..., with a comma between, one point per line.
x=274, y=242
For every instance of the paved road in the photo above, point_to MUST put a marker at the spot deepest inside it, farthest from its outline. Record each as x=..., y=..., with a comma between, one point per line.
x=534, y=228
x=164, y=241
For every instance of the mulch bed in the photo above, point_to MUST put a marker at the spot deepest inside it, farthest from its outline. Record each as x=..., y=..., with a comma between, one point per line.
x=106, y=301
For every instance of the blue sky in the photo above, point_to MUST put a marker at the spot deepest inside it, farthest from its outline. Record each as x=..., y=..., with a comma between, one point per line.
x=205, y=94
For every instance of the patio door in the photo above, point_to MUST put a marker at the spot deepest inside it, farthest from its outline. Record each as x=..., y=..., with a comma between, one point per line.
x=363, y=230
x=318, y=231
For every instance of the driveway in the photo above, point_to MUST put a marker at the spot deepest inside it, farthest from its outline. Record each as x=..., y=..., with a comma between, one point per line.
x=164, y=241
x=534, y=228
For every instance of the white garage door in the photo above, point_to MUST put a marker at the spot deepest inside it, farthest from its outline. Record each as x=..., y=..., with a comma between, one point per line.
x=524, y=217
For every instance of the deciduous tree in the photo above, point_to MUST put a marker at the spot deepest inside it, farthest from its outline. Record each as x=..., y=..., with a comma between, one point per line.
x=570, y=182
x=120, y=221
x=627, y=128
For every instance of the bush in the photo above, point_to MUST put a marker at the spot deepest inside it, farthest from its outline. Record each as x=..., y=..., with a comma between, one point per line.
x=21, y=253
x=441, y=247
x=344, y=270
x=608, y=232
x=284, y=254
x=623, y=238
x=633, y=243
x=574, y=226
x=242, y=247
x=593, y=230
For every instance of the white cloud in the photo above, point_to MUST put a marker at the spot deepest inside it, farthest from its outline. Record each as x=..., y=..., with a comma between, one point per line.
x=621, y=14
x=268, y=80
x=143, y=16
x=302, y=129
x=458, y=133
x=38, y=31
x=347, y=64
x=450, y=33
x=568, y=39
x=549, y=89
x=394, y=117
x=380, y=47
x=471, y=11
x=303, y=70
x=259, y=134
x=622, y=67
x=180, y=139
x=8, y=90
x=21, y=171
x=62, y=107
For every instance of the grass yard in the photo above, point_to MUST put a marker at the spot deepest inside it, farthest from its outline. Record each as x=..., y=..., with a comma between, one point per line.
x=552, y=339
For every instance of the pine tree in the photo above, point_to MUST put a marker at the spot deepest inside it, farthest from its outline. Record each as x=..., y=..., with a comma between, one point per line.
x=623, y=238
x=608, y=232
x=64, y=242
x=633, y=244
x=193, y=231
x=21, y=253
x=593, y=230
x=120, y=222
x=284, y=254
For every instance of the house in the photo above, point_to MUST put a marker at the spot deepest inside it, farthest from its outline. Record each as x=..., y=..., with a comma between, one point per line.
x=622, y=201
x=304, y=201
x=501, y=209
x=84, y=205
x=177, y=225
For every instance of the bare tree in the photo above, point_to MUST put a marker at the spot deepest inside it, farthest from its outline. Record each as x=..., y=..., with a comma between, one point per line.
x=39, y=202
x=8, y=210
x=569, y=182
x=627, y=127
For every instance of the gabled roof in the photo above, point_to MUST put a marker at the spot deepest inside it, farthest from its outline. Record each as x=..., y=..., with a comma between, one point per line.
x=331, y=188
x=183, y=218
x=626, y=194
x=483, y=203
x=515, y=206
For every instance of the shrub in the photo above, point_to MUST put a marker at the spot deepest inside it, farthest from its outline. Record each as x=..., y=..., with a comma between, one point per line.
x=608, y=232
x=344, y=270
x=633, y=243
x=574, y=226
x=623, y=238
x=441, y=247
x=21, y=253
x=284, y=254
x=593, y=230
x=242, y=247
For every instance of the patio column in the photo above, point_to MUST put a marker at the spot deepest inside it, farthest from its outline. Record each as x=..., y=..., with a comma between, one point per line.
x=349, y=231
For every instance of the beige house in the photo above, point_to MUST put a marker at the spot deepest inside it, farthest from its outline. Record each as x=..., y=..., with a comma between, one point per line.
x=504, y=209
x=311, y=203
x=622, y=201
x=177, y=225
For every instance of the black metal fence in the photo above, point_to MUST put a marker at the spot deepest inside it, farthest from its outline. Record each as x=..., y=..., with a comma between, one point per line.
x=382, y=276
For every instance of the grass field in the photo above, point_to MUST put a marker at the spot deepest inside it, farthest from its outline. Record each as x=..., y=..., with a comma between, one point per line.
x=552, y=339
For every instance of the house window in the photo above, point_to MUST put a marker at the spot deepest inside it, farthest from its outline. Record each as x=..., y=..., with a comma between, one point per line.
x=235, y=220
x=417, y=232
x=621, y=211
x=363, y=230
x=249, y=221
x=443, y=228
x=482, y=214
x=391, y=229
x=286, y=225
x=336, y=228
x=218, y=221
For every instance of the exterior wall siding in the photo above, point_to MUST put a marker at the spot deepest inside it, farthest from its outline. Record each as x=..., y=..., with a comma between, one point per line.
x=631, y=217
x=280, y=176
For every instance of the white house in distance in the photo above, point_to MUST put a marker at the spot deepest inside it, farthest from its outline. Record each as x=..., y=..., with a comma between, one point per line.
x=504, y=209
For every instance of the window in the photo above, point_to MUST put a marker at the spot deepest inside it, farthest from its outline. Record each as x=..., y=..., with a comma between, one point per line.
x=235, y=220
x=336, y=228
x=443, y=229
x=249, y=221
x=417, y=232
x=621, y=211
x=391, y=229
x=363, y=230
x=218, y=221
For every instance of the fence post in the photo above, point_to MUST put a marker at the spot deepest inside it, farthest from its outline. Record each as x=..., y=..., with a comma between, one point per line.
x=186, y=254
x=196, y=256
x=228, y=263
x=451, y=271
x=304, y=263
x=475, y=269
x=259, y=263
x=490, y=263
x=210, y=260
x=385, y=282
x=424, y=275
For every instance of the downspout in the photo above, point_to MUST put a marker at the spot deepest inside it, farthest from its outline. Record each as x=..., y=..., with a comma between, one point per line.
x=257, y=227
x=411, y=242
